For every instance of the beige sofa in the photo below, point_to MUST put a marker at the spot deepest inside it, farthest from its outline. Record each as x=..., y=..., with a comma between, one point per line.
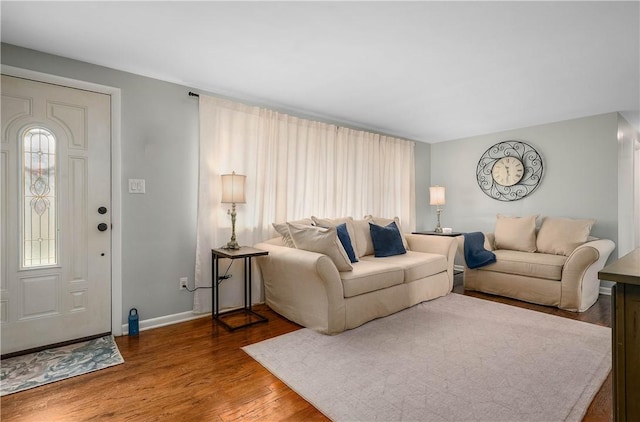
x=555, y=265
x=306, y=287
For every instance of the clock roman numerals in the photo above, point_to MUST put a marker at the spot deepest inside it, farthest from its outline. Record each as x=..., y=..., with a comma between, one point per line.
x=507, y=171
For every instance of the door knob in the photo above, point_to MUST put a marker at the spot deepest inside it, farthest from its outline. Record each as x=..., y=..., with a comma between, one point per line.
x=102, y=210
x=102, y=227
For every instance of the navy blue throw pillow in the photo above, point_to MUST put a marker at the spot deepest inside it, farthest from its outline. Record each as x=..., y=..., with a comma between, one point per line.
x=345, y=239
x=387, y=240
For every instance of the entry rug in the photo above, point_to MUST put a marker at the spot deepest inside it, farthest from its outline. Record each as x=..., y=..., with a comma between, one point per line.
x=455, y=358
x=33, y=370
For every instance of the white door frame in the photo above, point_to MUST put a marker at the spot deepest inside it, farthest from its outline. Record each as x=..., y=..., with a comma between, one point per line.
x=116, y=177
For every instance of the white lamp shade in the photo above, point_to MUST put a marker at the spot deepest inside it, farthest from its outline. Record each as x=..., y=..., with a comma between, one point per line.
x=436, y=195
x=233, y=188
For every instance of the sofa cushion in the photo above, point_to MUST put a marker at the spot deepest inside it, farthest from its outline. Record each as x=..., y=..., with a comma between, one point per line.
x=283, y=230
x=368, y=276
x=539, y=265
x=335, y=222
x=516, y=233
x=561, y=236
x=415, y=265
x=364, y=243
x=322, y=240
x=386, y=240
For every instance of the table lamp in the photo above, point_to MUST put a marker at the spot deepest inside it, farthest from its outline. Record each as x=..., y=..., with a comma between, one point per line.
x=233, y=193
x=436, y=195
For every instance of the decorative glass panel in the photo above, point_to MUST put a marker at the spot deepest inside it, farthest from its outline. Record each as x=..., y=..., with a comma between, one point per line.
x=39, y=228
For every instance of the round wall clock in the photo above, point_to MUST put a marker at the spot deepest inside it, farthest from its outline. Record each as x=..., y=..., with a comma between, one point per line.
x=509, y=170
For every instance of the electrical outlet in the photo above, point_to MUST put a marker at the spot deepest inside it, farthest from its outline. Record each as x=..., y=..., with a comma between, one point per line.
x=183, y=283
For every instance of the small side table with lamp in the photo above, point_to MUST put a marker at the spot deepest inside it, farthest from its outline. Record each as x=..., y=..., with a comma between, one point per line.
x=233, y=192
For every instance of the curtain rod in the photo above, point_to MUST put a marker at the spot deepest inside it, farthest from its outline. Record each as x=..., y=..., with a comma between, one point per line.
x=193, y=94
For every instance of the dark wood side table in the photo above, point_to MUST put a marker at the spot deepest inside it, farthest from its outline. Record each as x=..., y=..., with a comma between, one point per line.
x=432, y=233
x=625, y=328
x=245, y=253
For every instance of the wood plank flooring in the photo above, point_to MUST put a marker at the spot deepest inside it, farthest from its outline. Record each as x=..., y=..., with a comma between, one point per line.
x=195, y=371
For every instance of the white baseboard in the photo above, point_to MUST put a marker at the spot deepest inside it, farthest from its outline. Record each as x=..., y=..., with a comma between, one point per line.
x=148, y=324
x=605, y=290
x=458, y=268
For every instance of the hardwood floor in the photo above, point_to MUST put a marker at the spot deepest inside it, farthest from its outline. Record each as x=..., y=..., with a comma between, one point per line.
x=196, y=371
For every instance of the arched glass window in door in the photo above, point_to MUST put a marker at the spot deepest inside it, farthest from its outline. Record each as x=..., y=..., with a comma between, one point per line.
x=39, y=218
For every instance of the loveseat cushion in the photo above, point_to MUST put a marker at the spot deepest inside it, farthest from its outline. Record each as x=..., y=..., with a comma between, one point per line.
x=368, y=276
x=516, y=233
x=415, y=265
x=561, y=236
x=529, y=264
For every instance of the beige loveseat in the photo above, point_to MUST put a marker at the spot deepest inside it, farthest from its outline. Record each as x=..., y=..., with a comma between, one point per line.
x=554, y=265
x=307, y=287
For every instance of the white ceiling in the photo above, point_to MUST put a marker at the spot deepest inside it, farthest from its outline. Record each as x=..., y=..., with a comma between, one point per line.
x=428, y=71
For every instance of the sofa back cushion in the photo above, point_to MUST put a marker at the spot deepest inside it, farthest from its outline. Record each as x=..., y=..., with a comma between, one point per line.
x=348, y=239
x=322, y=240
x=283, y=230
x=516, y=233
x=560, y=236
x=364, y=243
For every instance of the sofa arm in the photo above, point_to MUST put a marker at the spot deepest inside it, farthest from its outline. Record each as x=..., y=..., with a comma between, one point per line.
x=431, y=244
x=580, y=283
x=442, y=245
x=304, y=287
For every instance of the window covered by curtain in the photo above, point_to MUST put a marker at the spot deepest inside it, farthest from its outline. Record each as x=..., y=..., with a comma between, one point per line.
x=295, y=168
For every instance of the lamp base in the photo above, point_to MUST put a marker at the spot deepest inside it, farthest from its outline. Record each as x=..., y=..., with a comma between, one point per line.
x=438, y=229
x=232, y=244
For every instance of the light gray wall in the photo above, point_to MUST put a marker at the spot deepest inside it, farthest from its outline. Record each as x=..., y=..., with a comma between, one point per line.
x=580, y=176
x=159, y=144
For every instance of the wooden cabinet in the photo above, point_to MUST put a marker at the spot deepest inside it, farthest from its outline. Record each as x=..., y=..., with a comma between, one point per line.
x=626, y=335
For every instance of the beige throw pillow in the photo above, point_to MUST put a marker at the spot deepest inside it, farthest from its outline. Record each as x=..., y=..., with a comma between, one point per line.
x=283, y=230
x=560, y=236
x=333, y=222
x=363, y=245
x=321, y=240
x=516, y=233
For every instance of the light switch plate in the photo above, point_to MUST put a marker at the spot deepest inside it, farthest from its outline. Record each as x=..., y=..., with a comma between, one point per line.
x=136, y=186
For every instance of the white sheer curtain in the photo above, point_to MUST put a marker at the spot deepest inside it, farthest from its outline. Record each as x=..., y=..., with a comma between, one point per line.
x=295, y=168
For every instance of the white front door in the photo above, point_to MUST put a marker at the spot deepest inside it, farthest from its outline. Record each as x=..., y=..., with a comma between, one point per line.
x=55, y=192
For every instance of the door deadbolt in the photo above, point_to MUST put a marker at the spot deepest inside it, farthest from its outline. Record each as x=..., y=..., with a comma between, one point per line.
x=102, y=210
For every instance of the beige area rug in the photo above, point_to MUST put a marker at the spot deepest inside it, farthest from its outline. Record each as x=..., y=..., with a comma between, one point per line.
x=456, y=358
